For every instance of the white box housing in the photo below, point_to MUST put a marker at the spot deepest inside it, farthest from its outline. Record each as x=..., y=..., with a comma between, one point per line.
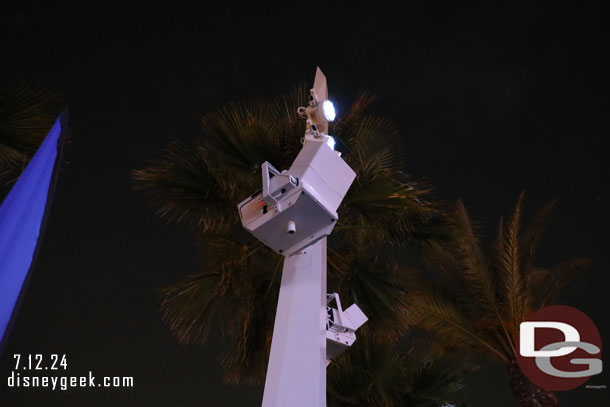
x=298, y=207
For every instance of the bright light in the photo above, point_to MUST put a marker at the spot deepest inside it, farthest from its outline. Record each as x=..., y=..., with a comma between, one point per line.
x=329, y=110
x=331, y=142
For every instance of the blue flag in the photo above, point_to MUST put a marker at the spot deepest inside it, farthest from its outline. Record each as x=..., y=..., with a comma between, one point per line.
x=22, y=218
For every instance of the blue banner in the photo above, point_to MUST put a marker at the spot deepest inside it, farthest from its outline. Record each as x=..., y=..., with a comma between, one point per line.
x=22, y=218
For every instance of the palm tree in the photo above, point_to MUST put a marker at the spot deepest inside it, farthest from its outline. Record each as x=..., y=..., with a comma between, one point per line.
x=200, y=184
x=474, y=302
x=27, y=113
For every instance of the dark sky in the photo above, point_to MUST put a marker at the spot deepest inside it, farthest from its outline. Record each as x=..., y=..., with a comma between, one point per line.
x=489, y=99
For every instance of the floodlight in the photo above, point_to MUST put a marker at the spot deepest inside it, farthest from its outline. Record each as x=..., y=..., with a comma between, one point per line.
x=341, y=326
x=329, y=110
x=320, y=110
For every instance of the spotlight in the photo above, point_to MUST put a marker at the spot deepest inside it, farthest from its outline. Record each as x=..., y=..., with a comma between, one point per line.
x=329, y=110
x=320, y=110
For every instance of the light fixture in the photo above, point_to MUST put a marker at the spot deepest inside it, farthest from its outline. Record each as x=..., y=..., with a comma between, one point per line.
x=331, y=142
x=329, y=110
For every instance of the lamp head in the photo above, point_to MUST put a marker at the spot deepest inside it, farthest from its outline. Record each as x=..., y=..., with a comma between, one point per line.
x=320, y=110
x=328, y=109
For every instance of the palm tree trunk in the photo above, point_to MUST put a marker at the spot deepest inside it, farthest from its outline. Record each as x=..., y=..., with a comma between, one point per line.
x=526, y=392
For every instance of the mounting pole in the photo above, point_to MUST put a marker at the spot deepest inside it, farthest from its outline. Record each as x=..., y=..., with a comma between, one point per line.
x=296, y=374
x=293, y=214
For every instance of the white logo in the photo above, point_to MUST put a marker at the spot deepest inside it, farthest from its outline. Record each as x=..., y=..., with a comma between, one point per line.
x=570, y=343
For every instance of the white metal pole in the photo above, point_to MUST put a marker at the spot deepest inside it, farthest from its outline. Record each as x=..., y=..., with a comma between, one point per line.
x=296, y=373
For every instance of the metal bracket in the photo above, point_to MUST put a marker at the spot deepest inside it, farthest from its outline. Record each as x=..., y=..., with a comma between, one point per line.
x=266, y=169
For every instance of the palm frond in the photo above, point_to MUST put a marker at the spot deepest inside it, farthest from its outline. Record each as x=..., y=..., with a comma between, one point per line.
x=511, y=272
x=530, y=240
x=476, y=273
x=346, y=122
x=474, y=269
x=373, y=146
x=27, y=113
x=189, y=305
x=251, y=311
x=436, y=382
x=369, y=374
x=433, y=313
x=182, y=189
x=544, y=284
x=385, y=209
x=378, y=290
x=240, y=136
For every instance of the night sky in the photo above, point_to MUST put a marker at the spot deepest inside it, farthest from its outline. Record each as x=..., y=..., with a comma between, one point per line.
x=489, y=100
